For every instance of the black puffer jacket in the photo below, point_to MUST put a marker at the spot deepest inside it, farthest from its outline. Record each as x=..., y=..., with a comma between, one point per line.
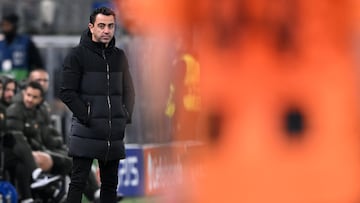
x=98, y=89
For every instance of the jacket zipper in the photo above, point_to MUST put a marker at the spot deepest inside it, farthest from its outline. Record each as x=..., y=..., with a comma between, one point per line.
x=109, y=105
x=88, y=110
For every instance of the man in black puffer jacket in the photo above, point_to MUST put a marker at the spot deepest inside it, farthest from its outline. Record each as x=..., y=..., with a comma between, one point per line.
x=98, y=89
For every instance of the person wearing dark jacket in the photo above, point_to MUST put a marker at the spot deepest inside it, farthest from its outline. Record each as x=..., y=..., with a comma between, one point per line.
x=19, y=159
x=97, y=87
x=25, y=117
x=16, y=160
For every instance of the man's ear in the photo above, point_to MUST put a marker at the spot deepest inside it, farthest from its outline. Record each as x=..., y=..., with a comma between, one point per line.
x=90, y=27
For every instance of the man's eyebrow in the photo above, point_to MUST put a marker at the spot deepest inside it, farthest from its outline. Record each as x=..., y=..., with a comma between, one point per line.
x=106, y=24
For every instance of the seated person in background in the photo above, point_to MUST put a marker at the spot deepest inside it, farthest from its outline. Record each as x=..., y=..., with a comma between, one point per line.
x=21, y=167
x=19, y=162
x=25, y=116
x=8, y=91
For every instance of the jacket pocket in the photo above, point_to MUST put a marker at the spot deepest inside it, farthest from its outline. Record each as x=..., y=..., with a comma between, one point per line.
x=126, y=113
x=88, y=113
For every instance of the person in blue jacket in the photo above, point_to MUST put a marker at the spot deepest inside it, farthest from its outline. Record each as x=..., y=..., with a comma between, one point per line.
x=97, y=87
x=18, y=53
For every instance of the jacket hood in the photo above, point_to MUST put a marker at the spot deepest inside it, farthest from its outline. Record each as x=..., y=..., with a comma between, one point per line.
x=86, y=40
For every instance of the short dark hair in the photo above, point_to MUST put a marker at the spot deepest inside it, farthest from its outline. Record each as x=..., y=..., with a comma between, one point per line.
x=6, y=80
x=12, y=18
x=35, y=85
x=38, y=70
x=102, y=10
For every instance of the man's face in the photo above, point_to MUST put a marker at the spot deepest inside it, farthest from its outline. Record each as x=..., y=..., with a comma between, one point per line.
x=31, y=97
x=103, y=28
x=1, y=90
x=41, y=77
x=6, y=26
x=9, y=92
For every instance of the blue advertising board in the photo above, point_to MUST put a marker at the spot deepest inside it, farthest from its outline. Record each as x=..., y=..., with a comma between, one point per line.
x=152, y=169
x=131, y=172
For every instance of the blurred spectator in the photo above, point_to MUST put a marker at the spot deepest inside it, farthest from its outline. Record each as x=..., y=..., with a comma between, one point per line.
x=18, y=53
x=47, y=14
x=8, y=91
x=24, y=116
x=184, y=102
x=18, y=161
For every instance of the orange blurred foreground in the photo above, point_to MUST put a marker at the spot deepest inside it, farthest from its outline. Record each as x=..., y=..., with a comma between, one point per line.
x=262, y=62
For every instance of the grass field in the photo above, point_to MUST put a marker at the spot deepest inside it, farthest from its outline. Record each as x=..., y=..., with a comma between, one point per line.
x=134, y=200
x=140, y=200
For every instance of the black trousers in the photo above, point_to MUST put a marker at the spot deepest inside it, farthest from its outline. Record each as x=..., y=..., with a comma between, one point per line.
x=20, y=164
x=80, y=172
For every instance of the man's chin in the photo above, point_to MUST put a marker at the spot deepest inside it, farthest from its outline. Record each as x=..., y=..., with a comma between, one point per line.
x=105, y=41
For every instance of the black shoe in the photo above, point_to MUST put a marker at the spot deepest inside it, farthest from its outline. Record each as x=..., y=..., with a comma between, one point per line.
x=119, y=197
x=42, y=179
x=30, y=200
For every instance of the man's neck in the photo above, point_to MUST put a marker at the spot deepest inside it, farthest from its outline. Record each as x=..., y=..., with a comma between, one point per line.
x=9, y=39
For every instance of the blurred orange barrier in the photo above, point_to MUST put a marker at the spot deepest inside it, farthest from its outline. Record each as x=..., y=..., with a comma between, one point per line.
x=282, y=79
